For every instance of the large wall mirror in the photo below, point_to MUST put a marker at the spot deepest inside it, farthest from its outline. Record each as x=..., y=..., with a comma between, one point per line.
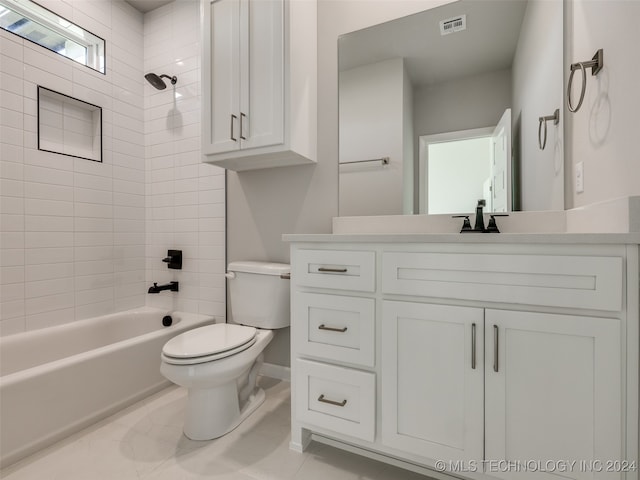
x=442, y=108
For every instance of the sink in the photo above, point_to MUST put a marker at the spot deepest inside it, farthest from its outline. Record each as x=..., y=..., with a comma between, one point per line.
x=516, y=222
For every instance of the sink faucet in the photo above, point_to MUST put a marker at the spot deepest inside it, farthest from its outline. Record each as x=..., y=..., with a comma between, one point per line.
x=479, y=226
x=171, y=286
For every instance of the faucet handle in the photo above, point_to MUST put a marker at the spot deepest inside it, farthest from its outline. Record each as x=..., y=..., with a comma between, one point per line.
x=466, y=224
x=492, y=227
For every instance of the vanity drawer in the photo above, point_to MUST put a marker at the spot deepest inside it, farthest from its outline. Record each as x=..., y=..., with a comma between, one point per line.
x=549, y=280
x=336, y=398
x=337, y=269
x=335, y=327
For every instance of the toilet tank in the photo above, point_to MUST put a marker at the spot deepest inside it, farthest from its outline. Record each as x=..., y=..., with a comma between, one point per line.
x=259, y=294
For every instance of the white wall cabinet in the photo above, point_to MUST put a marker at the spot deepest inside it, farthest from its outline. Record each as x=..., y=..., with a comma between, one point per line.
x=503, y=361
x=258, y=81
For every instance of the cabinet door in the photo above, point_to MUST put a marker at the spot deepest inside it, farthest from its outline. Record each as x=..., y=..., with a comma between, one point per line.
x=432, y=387
x=262, y=73
x=221, y=127
x=553, y=393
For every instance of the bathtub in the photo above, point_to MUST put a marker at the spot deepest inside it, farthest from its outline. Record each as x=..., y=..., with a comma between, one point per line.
x=56, y=381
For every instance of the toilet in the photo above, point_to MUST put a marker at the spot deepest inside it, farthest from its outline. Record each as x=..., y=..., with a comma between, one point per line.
x=219, y=363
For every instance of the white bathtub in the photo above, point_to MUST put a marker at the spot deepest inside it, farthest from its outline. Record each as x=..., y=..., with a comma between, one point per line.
x=55, y=381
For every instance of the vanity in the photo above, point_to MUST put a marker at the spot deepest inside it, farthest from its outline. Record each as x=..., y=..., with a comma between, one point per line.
x=469, y=356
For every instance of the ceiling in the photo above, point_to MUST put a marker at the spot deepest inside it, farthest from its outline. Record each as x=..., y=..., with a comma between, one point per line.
x=488, y=44
x=147, y=5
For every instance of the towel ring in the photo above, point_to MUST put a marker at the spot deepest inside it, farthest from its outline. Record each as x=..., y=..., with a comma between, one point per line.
x=542, y=142
x=595, y=64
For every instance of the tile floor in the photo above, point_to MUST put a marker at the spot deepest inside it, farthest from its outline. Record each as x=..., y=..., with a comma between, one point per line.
x=145, y=441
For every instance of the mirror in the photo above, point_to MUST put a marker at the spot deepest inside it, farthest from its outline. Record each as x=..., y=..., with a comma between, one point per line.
x=35, y=23
x=461, y=71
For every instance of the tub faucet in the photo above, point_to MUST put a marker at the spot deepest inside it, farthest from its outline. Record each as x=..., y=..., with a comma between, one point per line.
x=171, y=286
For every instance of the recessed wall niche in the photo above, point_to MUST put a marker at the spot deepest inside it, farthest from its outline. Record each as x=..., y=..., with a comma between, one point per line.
x=69, y=126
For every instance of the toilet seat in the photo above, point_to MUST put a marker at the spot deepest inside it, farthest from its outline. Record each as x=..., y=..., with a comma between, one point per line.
x=209, y=343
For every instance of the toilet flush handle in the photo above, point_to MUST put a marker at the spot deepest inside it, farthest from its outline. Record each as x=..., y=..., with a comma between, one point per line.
x=230, y=275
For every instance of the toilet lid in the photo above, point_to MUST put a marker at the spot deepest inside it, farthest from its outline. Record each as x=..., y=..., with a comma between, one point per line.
x=209, y=340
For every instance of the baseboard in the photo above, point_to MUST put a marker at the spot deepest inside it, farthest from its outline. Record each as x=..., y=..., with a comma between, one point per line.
x=276, y=371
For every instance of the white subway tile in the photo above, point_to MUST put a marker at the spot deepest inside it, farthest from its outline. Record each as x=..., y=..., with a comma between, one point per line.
x=49, y=318
x=48, y=287
x=11, y=257
x=87, y=239
x=12, y=292
x=12, y=239
x=48, y=303
x=51, y=239
x=91, y=282
x=11, y=309
x=35, y=206
x=86, y=195
x=38, y=256
x=47, y=223
x=128, y=200
x=11, y=153
x=84, y=224
x=92, y=210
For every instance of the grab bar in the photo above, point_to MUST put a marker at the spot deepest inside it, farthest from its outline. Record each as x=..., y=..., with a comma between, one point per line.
x=543, y=120
x=595, y=64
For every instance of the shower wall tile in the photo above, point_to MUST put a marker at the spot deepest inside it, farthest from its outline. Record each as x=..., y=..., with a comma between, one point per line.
x=82, y=238
x=72, y=244
x=179, y=187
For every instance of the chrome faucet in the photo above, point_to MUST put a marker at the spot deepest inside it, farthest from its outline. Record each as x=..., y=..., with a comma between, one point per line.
x=171, y=286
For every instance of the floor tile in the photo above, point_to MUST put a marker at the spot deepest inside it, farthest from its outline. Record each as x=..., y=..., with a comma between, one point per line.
x=145, y=442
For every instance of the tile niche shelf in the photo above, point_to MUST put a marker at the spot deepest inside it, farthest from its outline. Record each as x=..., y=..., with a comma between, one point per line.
x=69, y=126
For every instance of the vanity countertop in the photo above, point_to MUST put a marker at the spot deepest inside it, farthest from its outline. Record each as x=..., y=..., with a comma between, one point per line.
x=535, y=238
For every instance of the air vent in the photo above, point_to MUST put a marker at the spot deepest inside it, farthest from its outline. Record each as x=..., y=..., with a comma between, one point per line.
x=452, y=25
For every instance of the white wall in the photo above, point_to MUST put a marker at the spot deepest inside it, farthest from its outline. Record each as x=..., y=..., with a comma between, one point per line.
x=72, y=230
x=604, y=133
x=538, y=91
x=185, y=199
x=371, y=126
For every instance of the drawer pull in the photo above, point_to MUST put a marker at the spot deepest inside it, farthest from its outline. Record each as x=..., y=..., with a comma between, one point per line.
x=332, y=329
x=495, y=348
x=473, y=346
x=332, y=402
x=332, y=270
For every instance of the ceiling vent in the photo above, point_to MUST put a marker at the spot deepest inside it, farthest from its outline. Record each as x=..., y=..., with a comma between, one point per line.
x=452, y=25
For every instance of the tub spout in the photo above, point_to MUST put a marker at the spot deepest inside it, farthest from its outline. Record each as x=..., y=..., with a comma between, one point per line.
x=171, y=286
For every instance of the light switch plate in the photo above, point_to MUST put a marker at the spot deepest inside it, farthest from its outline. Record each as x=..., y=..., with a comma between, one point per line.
x=579, y=177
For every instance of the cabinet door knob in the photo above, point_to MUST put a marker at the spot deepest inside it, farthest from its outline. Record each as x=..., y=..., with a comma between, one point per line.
x=332, y=402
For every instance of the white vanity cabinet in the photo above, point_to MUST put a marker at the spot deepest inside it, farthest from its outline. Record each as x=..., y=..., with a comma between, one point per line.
x=258, y=83
x=503, y=360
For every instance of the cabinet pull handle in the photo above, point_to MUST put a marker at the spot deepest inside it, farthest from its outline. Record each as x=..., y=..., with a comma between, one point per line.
x=332, y=329
x=242, y=117
x=495, y=348
x=473, y=346
x=332, y=270
x=233, y=117
x=332, y=402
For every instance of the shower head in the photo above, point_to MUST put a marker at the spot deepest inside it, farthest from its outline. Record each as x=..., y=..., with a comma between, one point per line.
x=157, y=81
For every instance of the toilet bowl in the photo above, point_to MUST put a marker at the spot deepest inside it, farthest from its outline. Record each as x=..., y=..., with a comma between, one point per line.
x=219, y=363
